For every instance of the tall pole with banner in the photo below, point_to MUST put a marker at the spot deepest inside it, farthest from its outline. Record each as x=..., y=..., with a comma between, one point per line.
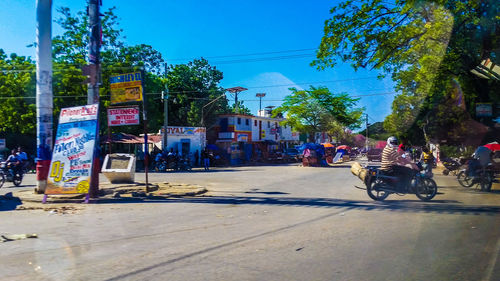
x=94, y=79
x=146, y=145
x=44, y=103
x=126, y=88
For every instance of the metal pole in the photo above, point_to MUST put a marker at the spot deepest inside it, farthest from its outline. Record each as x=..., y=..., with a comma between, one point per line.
x=93, y=85
x=366, y=141
x=260, y=96
x=44, y=102
x=94, y=51
x=165, y=111
x=237, y=109
x=145, y=120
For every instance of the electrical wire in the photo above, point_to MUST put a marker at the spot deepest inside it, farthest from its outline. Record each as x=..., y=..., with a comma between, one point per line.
x=189, y=98
x=246, y=55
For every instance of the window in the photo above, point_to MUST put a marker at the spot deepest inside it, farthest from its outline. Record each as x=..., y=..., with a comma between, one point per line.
x=239, y=120
x=268, y=124
x=255, y=122
x=247, y=122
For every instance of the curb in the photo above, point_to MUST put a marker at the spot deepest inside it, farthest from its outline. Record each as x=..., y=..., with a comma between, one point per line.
x=114, y=194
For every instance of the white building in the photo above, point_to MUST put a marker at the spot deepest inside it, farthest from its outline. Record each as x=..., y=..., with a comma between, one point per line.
x=185, y=140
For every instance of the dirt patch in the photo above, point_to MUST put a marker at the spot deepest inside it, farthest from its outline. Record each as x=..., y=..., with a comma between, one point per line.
x=53, y=209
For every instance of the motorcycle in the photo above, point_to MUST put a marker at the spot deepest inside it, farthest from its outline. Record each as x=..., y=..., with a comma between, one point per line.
x=452, y=165
x=184, y=164
x=484, y=177
x=379, y=185
x=7, y=174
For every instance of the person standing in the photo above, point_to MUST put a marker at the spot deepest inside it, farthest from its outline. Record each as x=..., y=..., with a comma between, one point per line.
x=196, y=158
x=206, y=159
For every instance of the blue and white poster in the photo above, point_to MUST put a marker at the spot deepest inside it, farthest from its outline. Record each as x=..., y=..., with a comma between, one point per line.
x=71, y=165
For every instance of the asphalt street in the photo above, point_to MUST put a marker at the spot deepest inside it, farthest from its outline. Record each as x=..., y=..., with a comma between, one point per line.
x=281, y=222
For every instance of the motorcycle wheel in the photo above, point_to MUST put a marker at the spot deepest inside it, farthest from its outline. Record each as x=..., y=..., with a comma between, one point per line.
x=2, y=179
x=464, y=180
x=17, y=179
x=373, y=190
x=426, y=189
x=486, y=182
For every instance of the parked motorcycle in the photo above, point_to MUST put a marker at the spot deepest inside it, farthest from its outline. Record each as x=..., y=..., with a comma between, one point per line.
x=7, y=174
x=379, y=185
x=452, y=165
x=484, y=177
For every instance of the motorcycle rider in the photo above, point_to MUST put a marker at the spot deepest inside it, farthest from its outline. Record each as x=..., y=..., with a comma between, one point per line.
x=13, y=162
x=481, y=159
x=23, y=157
x=394, y=163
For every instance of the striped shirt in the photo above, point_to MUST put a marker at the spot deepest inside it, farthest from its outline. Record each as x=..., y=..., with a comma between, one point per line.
x=389, y=158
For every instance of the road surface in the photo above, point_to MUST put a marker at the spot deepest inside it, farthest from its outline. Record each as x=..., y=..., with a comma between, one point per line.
x=262, y=223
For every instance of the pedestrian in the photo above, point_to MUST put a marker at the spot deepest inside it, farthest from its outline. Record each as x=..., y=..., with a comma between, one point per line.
x=206, y=159
x=196, y=158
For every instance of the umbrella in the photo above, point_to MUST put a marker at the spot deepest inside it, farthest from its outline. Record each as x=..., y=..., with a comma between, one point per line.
x=343, y=147
x=492, y=146
x=326, y=144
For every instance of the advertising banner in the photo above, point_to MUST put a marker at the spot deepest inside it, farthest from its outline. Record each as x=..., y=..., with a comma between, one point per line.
x=119, y=116
x=71, y=164
x=484, y=110
x=126, y=87
x=185, y=131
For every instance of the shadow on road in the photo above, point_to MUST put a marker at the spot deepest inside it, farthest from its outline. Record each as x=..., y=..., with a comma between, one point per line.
x=8, y=202
x=435, y=206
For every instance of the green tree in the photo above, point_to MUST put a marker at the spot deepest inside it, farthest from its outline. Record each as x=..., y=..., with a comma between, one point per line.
x=70, y=53
x=192, y=87
x=318, y=110
x=17, y=85
x=426, y=46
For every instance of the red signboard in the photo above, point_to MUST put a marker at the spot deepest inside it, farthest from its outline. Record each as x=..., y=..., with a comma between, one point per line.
x=120, y=116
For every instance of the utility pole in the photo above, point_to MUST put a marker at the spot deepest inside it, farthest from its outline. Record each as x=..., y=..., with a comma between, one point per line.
x=164, y=97
x=236, y=91
x=44, y=97
x=94, y=72
x=366, y=141
x=260, y=96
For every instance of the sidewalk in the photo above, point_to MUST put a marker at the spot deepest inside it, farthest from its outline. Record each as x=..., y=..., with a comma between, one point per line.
x=109, y=193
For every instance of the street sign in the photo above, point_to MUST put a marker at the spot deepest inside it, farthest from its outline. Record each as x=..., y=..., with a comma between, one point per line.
x=120, y=116
x=72, y=157
x=126, y=87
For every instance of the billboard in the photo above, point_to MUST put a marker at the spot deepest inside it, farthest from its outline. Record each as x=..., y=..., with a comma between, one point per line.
x=484, y=110
x=71, y=165
x=119, y=116
x=126, y=87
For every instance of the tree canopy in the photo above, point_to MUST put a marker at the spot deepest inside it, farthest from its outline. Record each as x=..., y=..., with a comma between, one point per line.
x=428, y=48
x=318, y=110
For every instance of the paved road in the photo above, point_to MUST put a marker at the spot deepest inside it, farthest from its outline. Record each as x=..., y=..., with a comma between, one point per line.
x=263, y=223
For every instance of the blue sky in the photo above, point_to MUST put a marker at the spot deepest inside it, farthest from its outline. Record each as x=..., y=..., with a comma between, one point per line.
x=183, y=30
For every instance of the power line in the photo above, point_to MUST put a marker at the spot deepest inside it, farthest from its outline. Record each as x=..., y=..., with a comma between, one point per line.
x=189, y=98
x=246, y=55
